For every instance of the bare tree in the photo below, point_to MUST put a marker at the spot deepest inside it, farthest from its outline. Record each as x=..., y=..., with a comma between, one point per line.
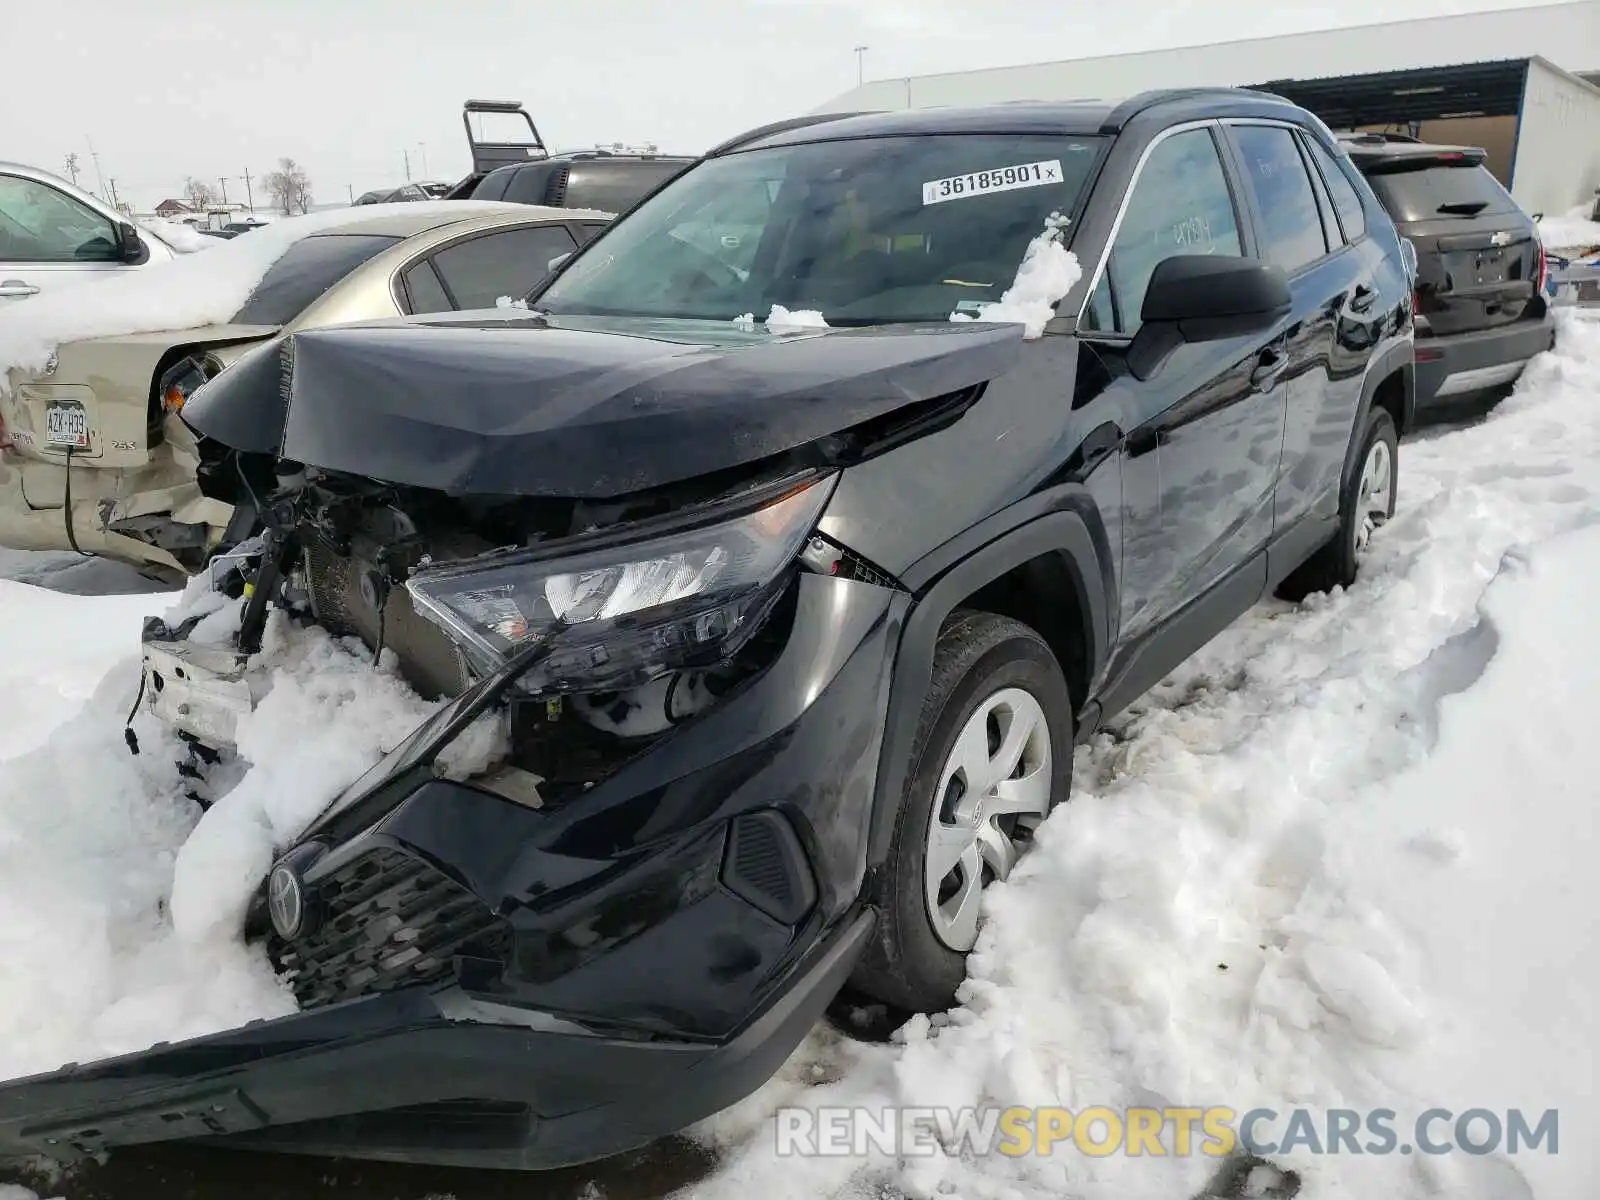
x=198, y=193
x=290, y=187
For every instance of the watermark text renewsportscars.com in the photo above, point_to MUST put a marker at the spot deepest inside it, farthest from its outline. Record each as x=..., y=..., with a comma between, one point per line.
x=1100, y=1131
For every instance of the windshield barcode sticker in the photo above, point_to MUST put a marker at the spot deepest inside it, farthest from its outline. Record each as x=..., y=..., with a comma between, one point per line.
x=1001, y=179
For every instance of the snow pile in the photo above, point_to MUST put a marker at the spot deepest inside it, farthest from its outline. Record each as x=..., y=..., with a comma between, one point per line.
x=185, y=239
x=783, y=320
x=185, y=293
x=1302, y=872
x=1047, y=273
x=1574, y=232
x=119, y=902
x=327, y=719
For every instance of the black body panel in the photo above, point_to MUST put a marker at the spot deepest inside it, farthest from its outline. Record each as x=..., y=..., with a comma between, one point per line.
x=576, y=407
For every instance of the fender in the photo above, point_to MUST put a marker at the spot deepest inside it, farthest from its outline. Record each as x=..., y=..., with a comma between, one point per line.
x=1398, y=355
x=1062, y=531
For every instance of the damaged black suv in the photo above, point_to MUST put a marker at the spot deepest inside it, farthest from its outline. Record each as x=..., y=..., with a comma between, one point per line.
x=798, y=537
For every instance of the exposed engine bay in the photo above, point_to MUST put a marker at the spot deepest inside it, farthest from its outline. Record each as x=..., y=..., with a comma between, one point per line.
x=338, y=551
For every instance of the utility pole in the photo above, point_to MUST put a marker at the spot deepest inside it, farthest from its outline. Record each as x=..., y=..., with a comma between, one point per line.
x=100, y=178
x=72, y=168
x=861, y=64
x=115, y=203
x=249, y=194
x=352, y=191
x=407, y=155
x=223, y=180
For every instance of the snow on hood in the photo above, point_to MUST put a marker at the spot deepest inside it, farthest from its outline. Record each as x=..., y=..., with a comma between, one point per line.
x=184, y=239
x=185, y=293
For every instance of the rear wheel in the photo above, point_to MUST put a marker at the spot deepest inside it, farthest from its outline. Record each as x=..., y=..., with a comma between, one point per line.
x=993, y=755
x=1367, y=502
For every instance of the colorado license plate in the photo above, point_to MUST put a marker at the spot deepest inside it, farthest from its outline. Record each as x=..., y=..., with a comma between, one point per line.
x=66, y=425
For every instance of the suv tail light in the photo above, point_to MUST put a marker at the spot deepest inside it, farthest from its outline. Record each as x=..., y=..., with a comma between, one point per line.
x=1541, y=274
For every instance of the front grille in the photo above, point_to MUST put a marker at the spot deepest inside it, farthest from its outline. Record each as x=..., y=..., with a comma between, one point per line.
x=387, y=921
x=429, y=661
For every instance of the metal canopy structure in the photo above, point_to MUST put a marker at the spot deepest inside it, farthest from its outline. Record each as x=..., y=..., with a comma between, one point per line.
x=1482, y=89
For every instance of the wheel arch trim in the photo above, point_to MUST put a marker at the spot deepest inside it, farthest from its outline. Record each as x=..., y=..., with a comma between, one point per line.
x=1062, y=532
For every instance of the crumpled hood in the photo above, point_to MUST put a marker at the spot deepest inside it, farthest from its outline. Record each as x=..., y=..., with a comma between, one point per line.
x=577, y=407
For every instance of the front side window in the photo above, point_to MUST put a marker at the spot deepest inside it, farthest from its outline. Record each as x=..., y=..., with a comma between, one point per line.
x=1180, y=204
x=40, y=224
x=1292, y=233
x=510, y=263
x=866, y=231
x=306, y=270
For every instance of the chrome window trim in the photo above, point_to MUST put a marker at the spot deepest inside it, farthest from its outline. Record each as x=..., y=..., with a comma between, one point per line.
x=1122, y=211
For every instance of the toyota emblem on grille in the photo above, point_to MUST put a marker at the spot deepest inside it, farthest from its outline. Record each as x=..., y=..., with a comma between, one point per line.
x=286, y=901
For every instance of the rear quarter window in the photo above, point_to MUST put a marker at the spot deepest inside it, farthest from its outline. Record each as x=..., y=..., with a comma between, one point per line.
x=1441, y=191
x=306, y=270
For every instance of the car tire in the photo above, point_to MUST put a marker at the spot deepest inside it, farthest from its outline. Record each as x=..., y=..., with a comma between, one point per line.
x=1367, y=502
x=989, y=673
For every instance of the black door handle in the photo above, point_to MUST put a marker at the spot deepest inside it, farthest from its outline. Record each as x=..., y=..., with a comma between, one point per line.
x=1362, y=298
x=1269, y=366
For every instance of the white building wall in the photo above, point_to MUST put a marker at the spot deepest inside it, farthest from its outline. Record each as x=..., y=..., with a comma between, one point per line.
x=1566, y=34
x=1557, y=165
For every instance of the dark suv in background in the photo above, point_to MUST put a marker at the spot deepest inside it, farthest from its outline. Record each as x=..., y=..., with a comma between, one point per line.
x=793, y=627
x=1481, y=312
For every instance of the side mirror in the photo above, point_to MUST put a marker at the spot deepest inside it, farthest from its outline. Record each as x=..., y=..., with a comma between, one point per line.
x=130, y=246
x=557, y=261
x=1206, y=298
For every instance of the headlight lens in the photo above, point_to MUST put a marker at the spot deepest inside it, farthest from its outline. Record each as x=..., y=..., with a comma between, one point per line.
x=633, y=612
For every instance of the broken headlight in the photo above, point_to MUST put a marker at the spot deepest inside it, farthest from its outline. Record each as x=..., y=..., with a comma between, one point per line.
x=626, y=613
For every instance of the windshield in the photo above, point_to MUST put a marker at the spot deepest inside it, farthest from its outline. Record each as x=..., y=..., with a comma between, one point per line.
x=306, y=269
x=864, y=231
x=1441, y=191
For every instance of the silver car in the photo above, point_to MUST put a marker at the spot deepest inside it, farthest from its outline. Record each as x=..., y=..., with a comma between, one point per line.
x=53, y=234
x=100, y=423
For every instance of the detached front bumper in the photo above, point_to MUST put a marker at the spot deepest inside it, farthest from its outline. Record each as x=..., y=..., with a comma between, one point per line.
x=488, y=980
x=414, y=1077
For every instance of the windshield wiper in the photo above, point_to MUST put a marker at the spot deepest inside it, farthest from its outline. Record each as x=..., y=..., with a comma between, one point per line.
x=1463, y=208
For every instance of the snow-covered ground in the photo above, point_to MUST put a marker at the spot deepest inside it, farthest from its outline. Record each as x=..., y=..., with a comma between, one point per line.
x=1572, y=232
x=1342, y=859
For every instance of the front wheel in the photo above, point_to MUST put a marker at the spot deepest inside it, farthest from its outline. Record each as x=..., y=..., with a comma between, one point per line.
x=993, y=755
x=1367, y=502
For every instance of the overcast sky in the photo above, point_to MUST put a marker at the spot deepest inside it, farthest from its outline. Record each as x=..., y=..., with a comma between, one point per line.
x=170, y=88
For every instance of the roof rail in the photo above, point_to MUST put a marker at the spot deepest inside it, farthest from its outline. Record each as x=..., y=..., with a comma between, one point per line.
x=1134, y=105
x=761, y=131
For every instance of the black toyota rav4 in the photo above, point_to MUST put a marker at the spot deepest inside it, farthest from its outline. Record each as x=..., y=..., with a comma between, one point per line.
x=795, y=622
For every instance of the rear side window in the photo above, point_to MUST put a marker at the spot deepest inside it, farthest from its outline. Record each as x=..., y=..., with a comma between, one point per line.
x=424, y=291
x=1291, y=225
x=528, y=185
x=478, y=272
x=615, y=186
x=307, y=269
x=1180, y=204
x=1346, y=201
x=1442, y=190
